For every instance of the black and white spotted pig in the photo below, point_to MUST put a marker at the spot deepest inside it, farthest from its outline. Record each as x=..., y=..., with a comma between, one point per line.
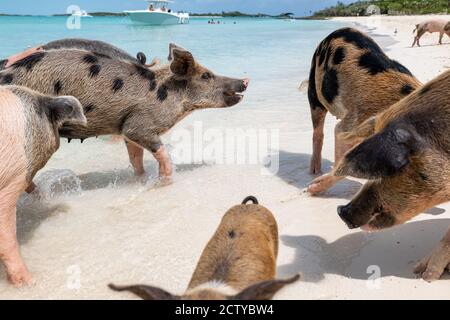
x=353, y=79
x=124, y=98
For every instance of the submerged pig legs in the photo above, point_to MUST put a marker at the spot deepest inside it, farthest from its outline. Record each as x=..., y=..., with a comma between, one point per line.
x=165, y=165
x=136, y=154
x=152, y=143
x=16, y=270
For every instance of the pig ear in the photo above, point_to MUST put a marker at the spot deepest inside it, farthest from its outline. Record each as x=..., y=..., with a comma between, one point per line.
x=382, y=155
x=146, y=292
x=183, y=62
x=173, y=46
x=264, y=290
x=65, y=108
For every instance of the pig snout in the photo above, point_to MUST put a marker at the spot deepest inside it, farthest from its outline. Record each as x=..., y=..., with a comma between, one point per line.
x=245, y=84
x=237, y=86
x=232, y=91
x=344, y=213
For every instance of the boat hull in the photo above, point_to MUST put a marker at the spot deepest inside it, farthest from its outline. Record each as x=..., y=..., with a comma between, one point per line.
x=154, y=18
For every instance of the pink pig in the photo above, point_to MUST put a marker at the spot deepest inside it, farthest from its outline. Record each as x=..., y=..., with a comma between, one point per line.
x=29, y=124
x=431, y=26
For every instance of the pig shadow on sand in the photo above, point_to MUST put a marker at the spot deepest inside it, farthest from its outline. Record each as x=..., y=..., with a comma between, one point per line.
x=294, y=170
x=394, y=251
x=33, y=211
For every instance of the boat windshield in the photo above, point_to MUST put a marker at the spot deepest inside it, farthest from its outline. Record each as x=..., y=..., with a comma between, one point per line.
x=161, y=5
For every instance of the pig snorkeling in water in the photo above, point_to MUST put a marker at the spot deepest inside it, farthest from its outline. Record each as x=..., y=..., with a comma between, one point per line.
x=29, y=124
x=126, y=98
x=407, y=162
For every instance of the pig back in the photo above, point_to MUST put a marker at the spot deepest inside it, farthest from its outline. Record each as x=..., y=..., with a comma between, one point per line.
x=243, y=250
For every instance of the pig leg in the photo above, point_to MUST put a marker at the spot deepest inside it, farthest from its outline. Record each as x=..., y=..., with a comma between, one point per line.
x=432, y=267
x=152, y=143
x=441, y=35
x=136, y=154
x=318, y=119
x=420, y=33
x=16, y=270
x=326, y=181
x=165, y=165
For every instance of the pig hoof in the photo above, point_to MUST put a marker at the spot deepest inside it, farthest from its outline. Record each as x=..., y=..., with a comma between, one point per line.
x=164, y=181
x=433, y=267
x=320, y=185
x=21, y=278
x=315, y=168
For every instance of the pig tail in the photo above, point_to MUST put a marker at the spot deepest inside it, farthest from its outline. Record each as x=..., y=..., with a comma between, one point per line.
x=250, y=198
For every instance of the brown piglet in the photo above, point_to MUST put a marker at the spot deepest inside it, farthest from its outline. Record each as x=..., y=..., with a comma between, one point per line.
x=239, y=262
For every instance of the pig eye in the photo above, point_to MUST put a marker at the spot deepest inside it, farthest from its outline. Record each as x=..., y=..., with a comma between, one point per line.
x=206, y=76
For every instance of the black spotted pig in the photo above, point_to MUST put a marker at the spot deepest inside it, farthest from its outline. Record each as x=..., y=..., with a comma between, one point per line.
x=124, y=98
x=239, y=262
x=352, y=79
x=29, y=123
x=407, y=160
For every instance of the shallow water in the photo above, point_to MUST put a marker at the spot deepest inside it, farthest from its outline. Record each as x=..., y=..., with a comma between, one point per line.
x=95, y=224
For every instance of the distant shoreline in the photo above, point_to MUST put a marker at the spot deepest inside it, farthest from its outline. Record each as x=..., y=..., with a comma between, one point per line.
x=235, y=14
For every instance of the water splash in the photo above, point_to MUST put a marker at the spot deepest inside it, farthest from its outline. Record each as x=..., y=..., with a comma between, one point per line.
x=57, y=183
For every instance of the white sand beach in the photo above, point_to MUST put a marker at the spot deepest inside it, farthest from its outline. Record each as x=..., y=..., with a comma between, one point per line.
x=124, y=232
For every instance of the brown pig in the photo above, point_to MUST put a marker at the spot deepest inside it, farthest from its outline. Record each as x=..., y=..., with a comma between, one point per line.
x=29, y=124
x=407, y=162
x=431, y=26
x=239, y=262
x=125, y=98
x=352, y=79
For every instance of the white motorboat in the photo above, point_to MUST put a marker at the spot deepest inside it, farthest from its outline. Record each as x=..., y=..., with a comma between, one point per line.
x=158, y=13
x=82, y=14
